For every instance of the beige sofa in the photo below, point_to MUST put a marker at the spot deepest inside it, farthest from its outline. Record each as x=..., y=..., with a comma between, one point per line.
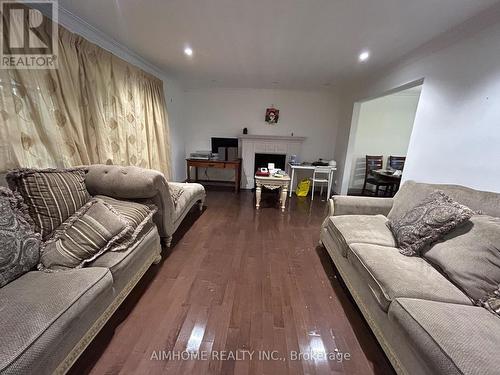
x=48, y=319
x=424, y=323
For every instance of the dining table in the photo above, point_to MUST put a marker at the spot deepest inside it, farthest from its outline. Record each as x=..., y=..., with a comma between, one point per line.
x=389, y=175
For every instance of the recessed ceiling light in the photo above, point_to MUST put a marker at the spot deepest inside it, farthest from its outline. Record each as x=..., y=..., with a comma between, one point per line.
x=364, y=55
x=188, y=51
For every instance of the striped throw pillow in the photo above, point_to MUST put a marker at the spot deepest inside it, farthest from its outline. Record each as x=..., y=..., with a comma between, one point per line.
x=136, y=214
x=91, y=231
x=51, y=195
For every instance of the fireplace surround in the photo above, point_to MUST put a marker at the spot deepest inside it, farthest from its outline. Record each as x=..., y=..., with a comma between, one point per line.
x=249, y=145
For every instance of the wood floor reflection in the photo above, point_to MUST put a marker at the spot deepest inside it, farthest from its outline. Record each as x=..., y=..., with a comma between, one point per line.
x=236, y=282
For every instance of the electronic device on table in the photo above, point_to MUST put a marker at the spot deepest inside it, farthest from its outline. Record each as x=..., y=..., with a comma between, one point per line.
x=202, y=155
x=320, y=163
x=226, y=148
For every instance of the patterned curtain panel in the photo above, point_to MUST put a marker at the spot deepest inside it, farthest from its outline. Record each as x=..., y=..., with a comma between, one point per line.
x=95, y=108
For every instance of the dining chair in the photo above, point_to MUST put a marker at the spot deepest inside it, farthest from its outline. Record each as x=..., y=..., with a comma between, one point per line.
x=373, y=163
x=396, y=162
x=319, y=177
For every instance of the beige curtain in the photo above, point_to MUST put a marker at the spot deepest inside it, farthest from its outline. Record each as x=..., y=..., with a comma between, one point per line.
x=95, y=108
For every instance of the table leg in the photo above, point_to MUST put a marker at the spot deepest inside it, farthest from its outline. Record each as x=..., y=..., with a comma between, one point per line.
x=291, y=181
x=283, y=198
x=235, y=180
x=238, y=178
x=196, y=173
x=329, y=190
x=258, y=190
x=188, y=172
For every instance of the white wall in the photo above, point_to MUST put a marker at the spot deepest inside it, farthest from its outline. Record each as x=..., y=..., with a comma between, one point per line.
x=173, y=92
x=384, y=128
x=456, y=134
x=225, y=112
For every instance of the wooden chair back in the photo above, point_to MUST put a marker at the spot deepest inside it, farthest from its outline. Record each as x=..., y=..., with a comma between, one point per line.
x=396, y=162
x=372, y=163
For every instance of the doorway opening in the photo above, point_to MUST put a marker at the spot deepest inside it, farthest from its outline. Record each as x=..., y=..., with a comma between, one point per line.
x=379, y=142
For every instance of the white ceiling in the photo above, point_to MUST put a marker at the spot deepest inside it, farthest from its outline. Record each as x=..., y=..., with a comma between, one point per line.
x=272, y=43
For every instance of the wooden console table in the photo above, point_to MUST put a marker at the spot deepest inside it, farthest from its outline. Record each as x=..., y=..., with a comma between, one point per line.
x=221, y=164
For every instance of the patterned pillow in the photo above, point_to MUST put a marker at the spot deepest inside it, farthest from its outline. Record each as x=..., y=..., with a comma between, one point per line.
x=51, y=195
x=427, y=222
x=136, y=214
x=492, y=302
x=91, y=231
x=19, y=244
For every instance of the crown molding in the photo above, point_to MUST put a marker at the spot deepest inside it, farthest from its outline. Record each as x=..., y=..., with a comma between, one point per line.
x=467, y=29
x=79, y=26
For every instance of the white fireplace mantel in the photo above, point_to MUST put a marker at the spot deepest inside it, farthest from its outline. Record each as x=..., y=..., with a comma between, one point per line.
x=250, y=144
x=272, y=137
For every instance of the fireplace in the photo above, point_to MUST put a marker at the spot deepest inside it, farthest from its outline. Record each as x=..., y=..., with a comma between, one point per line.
x=261, y=161
x=272, y=146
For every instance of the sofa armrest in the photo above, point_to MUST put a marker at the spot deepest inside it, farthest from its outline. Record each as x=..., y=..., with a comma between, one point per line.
x=350, y=205
x=137, y=184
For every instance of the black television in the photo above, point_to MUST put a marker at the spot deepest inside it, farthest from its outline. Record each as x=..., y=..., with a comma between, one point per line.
x=223, y=142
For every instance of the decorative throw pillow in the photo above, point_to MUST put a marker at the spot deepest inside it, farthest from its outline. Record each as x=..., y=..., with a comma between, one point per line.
x=492, y=302
x=426, y=222
x=51, y=195
x=19, y=244
x=176, y=192
x=91, y=231
x=136, y=214
x=470, y=256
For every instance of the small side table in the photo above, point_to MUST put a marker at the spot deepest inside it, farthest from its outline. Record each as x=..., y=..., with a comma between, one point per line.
x=272, y=183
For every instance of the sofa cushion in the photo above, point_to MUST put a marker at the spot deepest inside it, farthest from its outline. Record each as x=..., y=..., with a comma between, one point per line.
x=348, y=229
x=390, y=275
x=426, y=222
x=127, y=263
x=83, y=237
x=44, y=315
x=19, y=244
x=51, y=195
x=192, y=193
x=470, y=256
x=412, y=192
x=138, y=216
x=450, y=338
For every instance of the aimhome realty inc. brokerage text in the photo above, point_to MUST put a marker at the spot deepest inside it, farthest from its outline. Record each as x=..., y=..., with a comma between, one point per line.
x=248, y=355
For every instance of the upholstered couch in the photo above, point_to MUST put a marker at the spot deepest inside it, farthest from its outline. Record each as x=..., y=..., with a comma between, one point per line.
x=145, y=185
x=423, y=321
x=48, y=319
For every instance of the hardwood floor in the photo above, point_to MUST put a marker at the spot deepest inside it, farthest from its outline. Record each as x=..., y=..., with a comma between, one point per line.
x=240, y=281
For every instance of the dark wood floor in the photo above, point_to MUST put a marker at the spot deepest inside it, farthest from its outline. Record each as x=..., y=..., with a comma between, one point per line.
x=240, y=281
